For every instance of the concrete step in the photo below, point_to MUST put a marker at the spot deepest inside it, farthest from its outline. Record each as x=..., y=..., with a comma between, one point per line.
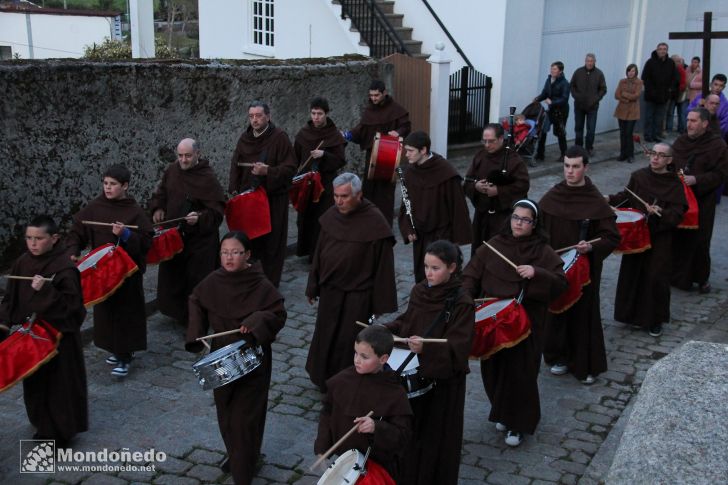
x=387, y=6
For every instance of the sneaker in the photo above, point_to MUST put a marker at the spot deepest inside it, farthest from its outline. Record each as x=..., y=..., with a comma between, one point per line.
x=500, y=427
x=656, y=330
x=120, y=370
x=589, y=380
x=514, y=438
x=112, y=360
x=559, y=369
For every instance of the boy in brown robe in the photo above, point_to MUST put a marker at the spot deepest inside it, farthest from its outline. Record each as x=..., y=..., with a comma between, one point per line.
x=120, y=321
x=55, y=395
x=369, y=385
x=269, y=150
x=438, y=206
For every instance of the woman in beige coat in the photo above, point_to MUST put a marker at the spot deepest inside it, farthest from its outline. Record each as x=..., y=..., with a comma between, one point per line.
x=628, y=111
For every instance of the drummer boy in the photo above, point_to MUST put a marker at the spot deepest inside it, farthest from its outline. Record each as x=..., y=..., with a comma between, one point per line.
x=369, y=385
x=44, y=282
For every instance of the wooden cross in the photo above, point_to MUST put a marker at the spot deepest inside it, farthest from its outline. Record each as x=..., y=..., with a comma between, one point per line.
x=707, y=35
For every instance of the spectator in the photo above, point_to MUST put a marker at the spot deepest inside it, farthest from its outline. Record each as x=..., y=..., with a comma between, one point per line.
x=661, y=82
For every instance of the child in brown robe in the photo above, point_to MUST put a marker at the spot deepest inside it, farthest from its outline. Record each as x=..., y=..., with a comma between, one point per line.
x=369, y=385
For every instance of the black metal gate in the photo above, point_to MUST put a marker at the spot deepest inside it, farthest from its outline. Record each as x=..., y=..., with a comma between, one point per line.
x=469, y=105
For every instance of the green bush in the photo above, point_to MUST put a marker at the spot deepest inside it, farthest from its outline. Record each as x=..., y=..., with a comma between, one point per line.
x=115, y=50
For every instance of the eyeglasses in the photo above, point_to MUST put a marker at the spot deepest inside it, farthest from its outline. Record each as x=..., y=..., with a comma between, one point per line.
x=488, y=142
x=524, y=220
x=659, y=155
x=234, y=254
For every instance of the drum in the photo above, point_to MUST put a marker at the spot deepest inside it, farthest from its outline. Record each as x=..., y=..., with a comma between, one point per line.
x=249, y=212
x=353, y=467
x=413, y=383
x=227, y=364
x=632, y=226
x=25, y=350
x=386, y=153
x=690, y=218
x=306, y=188
x=103, y=271
x=576, y=267
x=499, y=324
x=166, y=243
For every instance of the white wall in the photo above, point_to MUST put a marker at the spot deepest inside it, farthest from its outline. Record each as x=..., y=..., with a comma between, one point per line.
x=53, y=36
x=694, y=23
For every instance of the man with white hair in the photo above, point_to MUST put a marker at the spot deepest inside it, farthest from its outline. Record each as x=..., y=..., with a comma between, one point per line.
x=588, y=87
x=352, y=275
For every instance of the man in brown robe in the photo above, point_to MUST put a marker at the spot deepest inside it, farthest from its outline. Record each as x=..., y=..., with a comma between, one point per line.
x=274, y=164
x=245, y=300
x=381, y=115
x=702, y=156
x=321, y=143
x=120, y=321
x=575, y=212
x=493, y=199
x=352, y=275
x=437, y=202
x=643, y=287
x=55, y=395
x=189, y=188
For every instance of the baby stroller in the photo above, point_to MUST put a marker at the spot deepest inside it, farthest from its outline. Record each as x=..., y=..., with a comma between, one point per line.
x=529, y=124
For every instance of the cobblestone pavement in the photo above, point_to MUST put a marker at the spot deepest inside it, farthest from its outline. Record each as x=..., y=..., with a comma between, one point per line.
x=161, y=406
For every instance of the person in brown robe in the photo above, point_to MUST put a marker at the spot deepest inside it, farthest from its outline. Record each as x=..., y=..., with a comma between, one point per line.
x=55, y=394
x=703, y=157
x=120, y=321
x=352, y=275
x=492, y=199
x=438, y=308
x=575, y=212
x=189, y=188
x=510, y=376
x=384, y=115
x=369, y=385
x=239, y=296
x=643, y=287
x=437, y=202
x=322, y=143
x=274, y=163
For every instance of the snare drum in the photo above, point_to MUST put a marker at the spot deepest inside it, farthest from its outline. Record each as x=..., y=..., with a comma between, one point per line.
x=576, y=267
x=352, y=467
x=499, y=324
x=249, y=212
x=413, y=383
x=632, y=226
x=103, y=271
x=25, y=350
x=165, y=245
x=386, y=153
x=306, y=188
x=690, y=218
x=227, y=364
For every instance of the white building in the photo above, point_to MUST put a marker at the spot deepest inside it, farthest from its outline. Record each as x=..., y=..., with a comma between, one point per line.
x=513, y=41
x=42, y=33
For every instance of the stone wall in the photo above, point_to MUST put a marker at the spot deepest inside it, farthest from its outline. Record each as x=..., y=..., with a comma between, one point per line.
x=64, y=121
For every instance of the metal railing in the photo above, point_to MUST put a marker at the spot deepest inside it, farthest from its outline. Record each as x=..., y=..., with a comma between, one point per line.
x=371, y=22
x=447, y=33
x=469, y=107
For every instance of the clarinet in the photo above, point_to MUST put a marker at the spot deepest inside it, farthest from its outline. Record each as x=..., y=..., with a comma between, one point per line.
x=510, y=142
x=405, y=198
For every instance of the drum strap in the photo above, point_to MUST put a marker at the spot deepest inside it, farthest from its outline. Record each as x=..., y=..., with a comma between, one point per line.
x=443, y=315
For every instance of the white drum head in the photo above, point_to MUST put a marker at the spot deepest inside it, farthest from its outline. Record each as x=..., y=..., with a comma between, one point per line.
x=569, y=258
x=397, y=357
x=628, y=216
x=92, y=260
x=492, y=309
x=345, y=470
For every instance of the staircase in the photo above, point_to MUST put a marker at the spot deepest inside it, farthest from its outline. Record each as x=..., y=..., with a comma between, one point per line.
x=380, y=28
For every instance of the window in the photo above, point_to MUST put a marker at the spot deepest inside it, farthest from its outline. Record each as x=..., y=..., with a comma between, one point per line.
x=263, y=30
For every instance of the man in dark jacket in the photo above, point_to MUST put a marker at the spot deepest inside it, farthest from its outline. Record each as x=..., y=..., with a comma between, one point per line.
x=588, y=87
x=555, y=95
x=661, y=82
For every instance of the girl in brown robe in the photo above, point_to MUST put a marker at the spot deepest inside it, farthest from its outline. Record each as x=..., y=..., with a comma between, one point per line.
x=510, y=376
x=438, y=308
x=239, y=296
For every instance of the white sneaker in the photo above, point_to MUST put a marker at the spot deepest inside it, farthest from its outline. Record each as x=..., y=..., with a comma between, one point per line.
x=589, y=380
x=559, y=369
x=514, y=438
x=500, y=427
x=120, y=370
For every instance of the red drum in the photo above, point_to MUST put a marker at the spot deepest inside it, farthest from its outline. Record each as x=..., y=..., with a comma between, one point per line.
x=103, y=271
x=576, y=267
x=25, y=350
x=249, y=212
x=166, y=243
x=690, y=218
x=306, y=188
x=632, y=226
x=386, y=153
x=499, y=324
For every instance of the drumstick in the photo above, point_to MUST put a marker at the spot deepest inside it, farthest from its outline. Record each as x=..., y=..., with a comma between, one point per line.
x=308, y=159
x=245, y=164
x=483, y=300
x=219, y=334
x=501, y=255
x=14, y=277
x=647, y=206
x=94, y=223
x=175, y=219
x=592, y=241
x=337, y=444
x=405, y=340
